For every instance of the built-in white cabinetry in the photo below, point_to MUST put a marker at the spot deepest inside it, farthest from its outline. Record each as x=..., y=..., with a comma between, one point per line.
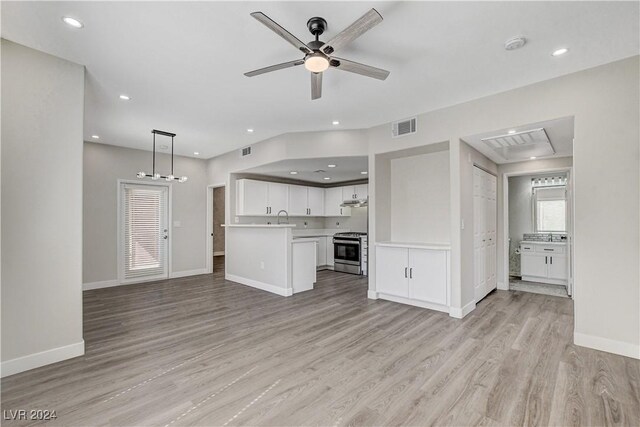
x=330, y=252
x=306, y=201
x=333, y=198
x=260, y=198
x=544, y=262
x=355, y=192
x=413, y=275
x=322, y=252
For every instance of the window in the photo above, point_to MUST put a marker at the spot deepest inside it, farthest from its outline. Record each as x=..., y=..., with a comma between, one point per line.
x=550, y=210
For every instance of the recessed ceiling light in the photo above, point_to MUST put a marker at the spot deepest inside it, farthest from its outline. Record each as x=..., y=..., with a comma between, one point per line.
x=250, y=130
x=72, y=22
x=364, y=173
x=532, y=158
x=560, y=52
x=95, y=136
x=327, y=178
x=511, y=132
x=125, y=97
x=293, y=173
x=195, y=153
x=335, y=122
x=331, y=166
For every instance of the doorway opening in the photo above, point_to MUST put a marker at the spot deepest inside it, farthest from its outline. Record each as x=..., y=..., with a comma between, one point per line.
x=216, y=202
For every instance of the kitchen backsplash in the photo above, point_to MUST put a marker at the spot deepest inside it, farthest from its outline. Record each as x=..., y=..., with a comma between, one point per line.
x=544, y=237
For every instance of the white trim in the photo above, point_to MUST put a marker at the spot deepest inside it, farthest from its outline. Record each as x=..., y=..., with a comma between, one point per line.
x=120, y=231
x=285, y=292
x=414, y=302
x=605, y=344
x=209, y=225
x=459, y=313
x=186, y=273
x=502, y=286
x=35, y=360
x=218, y=253
x=102, y=284
x=372, y=294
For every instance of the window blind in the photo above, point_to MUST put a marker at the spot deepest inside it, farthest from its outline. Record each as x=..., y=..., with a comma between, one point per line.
x=145, y=231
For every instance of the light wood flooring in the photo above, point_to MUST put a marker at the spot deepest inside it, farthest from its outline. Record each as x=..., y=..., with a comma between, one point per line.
x=203, y=351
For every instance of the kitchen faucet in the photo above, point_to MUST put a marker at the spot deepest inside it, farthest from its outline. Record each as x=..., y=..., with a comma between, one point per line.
x=286, y=213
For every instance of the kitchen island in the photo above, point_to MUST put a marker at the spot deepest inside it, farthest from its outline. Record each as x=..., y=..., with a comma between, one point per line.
x=265, y=256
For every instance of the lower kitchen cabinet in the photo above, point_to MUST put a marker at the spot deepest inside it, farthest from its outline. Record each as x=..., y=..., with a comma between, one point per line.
x=322, y=251
x=418, y=276
x=544, y=263
x=330, y=254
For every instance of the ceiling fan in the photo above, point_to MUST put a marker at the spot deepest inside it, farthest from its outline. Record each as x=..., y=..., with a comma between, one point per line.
x=318, y=55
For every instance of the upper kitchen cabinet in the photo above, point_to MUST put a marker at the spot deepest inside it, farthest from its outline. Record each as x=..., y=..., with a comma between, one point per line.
x=355, y=192
x=260, y=198
x=306, y=201
x=333, y=198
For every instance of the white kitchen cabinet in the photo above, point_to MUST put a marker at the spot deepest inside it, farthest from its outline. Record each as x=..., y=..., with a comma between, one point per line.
x=321, y=252
x=545, y=263
x=315, y=201
x=298, y=203
x=355, y=192
x=333, y=198
x=413, y=275
x=260, y=198
x=330, y=252
x=392, y=271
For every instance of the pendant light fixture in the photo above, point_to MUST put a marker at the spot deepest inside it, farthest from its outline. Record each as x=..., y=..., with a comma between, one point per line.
x=155, y=176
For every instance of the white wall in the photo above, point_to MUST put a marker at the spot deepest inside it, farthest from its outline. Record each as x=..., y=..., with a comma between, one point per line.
x=42, y=116
x=103, y=166
x=420, y=205
x=605, y=104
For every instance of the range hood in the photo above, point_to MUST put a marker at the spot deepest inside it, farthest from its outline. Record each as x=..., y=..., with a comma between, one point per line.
x=363, y=203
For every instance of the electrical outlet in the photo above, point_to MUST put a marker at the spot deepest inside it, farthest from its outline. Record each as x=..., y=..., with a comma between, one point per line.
x=337, y=225
x=305, y=224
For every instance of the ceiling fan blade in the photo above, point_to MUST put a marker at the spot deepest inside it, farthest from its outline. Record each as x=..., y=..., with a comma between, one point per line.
x=273, y=26
x=353, y=31
x=316, y=85
x=356, y=67
x=274, y=67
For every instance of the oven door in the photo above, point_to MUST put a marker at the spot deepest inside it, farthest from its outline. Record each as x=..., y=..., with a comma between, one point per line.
x=346, y=251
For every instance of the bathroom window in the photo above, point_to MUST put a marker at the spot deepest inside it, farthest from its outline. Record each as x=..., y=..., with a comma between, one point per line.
x=550, y=210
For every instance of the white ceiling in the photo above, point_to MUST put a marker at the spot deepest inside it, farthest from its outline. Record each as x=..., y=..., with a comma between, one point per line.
x=559, y=131
x=346, y=169
x=183, y=63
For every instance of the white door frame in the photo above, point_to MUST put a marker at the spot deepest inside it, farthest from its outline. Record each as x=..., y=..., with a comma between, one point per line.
x=570, y=205
x=119, y=247
x=210, y=223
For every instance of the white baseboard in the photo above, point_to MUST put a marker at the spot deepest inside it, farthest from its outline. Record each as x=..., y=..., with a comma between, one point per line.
x=459, y=313
x=99, y=285
x=502, y=286
x=413, y=302
x=186, y=273
x=260, y=285
x=372, y=294
x=218, y=253
x=35, y=360
x=608, y=345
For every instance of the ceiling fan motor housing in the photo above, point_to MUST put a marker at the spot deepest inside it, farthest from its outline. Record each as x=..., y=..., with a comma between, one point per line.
x=316, y=25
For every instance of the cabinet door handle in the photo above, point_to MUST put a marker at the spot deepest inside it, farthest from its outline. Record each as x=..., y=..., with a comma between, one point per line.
x=405, y=272
x=551, y=259
x=545, y=260
x=267, y=209
x=340, y=211
x=411, y=273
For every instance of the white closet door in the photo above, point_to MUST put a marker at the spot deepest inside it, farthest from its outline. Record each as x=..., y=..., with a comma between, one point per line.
x=144, y=232
x=484, y=232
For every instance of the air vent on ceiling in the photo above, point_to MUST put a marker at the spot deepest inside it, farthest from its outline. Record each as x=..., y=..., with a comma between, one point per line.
x=404, y=127
x=246, y=151
x=521, y=145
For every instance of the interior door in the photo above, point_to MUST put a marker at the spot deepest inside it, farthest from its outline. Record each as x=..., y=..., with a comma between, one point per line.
x=479, y=235
x=144, y=238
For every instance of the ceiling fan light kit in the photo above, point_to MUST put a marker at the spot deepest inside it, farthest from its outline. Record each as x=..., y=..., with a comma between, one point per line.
x=317, y=53
x=154, y=175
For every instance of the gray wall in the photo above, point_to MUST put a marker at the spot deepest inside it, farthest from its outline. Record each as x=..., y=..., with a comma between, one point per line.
x=42, y=116
x=103, y=166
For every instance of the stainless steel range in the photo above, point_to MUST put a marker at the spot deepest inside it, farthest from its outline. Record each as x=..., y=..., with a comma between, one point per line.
x=350, y=252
